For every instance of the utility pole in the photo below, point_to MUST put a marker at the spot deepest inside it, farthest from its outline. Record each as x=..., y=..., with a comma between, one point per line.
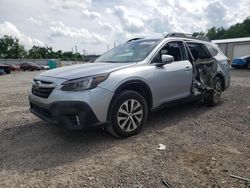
x=75, y=53
x=83, y=54
x=76, y=48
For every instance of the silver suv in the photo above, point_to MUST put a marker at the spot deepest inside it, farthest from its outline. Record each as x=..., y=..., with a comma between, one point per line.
x=119, y=89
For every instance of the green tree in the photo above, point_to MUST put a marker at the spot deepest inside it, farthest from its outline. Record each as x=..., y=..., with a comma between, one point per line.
x=37, y=52
x=67, y=56
x=195, y=34
x=10, y=48
x=235, y=31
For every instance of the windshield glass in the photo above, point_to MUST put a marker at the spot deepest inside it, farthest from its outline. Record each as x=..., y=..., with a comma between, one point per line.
x=132, y=51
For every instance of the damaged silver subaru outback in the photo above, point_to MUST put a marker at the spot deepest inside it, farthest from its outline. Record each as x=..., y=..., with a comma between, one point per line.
x=123, y=85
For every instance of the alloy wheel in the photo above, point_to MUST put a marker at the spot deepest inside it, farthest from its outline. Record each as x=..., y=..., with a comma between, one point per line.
x=130, y=115
x=217, y=91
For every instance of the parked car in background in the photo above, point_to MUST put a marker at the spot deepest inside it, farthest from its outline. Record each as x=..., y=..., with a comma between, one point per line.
x=15, y=67
x=124, y=84
x=2, y=71
x=45, y=67
x=30, y=66
x=241, y=62
x=6, y=68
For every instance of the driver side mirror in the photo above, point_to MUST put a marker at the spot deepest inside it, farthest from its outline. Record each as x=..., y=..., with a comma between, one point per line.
x=165, y=59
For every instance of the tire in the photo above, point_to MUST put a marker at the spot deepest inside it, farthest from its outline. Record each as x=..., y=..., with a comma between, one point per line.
x=129, y=113
x=7, y=71
x=212, y=98
x=248, y=65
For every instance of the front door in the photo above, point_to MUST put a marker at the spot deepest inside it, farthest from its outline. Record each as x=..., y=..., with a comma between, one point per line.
x=174, y=80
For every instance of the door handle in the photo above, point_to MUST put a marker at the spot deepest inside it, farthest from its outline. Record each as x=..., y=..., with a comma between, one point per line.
x=188, y=68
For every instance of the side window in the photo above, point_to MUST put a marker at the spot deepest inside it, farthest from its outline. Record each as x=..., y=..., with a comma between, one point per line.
x=199, y=51
x=174, y=49
x=212, y=50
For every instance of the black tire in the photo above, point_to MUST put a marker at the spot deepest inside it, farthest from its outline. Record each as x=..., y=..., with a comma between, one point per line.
x=133, y=120
x=248, y=65
x=7, y=71
x=212, y=98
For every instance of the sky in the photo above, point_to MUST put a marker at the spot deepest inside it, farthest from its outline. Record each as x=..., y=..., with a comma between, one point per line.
x=97, y=25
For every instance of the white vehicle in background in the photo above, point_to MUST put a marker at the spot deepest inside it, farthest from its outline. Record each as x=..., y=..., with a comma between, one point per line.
x=45, y=67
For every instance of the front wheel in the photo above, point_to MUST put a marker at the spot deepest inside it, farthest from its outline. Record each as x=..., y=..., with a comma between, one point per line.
x=129, y=113
x=212, y=98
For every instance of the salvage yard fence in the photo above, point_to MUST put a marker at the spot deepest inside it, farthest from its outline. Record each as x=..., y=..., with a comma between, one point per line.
x=39, y=61
x=19, y=61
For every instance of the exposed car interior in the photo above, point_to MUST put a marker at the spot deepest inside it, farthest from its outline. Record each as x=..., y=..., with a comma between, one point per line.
x=172, y=48
x=204, y=66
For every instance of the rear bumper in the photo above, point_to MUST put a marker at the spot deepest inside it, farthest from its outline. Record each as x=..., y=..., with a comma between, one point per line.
x=66, y=114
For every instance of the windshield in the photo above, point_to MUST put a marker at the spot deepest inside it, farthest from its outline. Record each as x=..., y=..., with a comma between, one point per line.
x=132, y=51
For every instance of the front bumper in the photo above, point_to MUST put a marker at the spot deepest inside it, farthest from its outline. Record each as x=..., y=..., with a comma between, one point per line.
x=66, y=114
x=69, y=109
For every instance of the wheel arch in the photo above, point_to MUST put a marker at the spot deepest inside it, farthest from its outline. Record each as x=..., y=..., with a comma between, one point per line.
x=134, y=85
x=220, y=75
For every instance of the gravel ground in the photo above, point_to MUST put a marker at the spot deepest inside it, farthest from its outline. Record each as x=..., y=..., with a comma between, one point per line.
x=203, y=145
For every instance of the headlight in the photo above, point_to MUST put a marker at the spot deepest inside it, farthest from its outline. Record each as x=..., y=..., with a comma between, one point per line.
x=84, y=83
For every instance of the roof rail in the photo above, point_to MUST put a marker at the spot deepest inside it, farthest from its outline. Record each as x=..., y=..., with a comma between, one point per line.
x=188, y=36
x=134, y=39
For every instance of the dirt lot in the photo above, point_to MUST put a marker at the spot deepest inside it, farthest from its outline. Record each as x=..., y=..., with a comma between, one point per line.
x=204, y=145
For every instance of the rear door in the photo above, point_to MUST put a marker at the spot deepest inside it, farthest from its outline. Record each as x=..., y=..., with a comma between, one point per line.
x=204, y=61
x=172, y=81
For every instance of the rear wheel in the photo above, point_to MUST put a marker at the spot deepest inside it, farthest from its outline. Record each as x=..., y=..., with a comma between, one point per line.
x=212, y=98
x=129, y=113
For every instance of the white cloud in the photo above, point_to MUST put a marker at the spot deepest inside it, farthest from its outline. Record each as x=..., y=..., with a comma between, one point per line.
x=60, y=30
x=65, y=23
x=69, y=4
x=106, y=26
x=128, y=23
x=91, y=14
x=217, y=14
x=35, y=21
x=8, y=28
x=160, y=22
x=108, y=10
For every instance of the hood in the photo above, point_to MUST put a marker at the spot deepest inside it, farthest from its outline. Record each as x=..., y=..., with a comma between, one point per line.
x=83, y=70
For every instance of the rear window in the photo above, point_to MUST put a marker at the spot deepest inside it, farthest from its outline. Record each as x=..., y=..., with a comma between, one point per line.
x=199, y=51
x=212, y=50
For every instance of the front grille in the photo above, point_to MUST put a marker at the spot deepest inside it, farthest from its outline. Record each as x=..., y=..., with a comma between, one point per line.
x=42, y=92
x=41, y=88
